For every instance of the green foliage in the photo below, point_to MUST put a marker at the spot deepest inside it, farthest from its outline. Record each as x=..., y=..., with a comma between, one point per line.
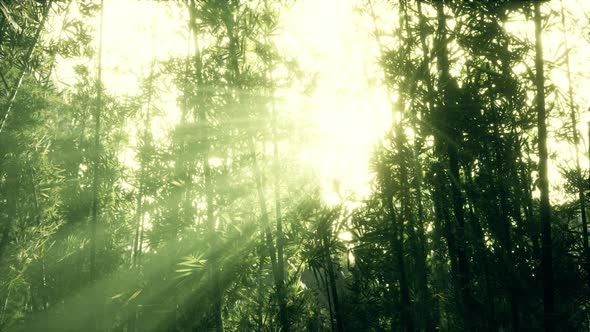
x=212, y=224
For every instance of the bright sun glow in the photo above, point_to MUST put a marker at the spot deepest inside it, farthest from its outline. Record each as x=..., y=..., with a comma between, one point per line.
x=350, y=114
x=347, y=113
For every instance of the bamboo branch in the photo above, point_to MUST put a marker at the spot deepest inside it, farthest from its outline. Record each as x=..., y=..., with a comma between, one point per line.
x=14, y=92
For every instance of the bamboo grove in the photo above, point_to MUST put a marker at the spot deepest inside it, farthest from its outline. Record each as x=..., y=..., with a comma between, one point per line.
x=215, y=224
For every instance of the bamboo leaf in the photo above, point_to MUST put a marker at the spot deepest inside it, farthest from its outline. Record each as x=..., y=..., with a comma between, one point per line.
x=134, y=295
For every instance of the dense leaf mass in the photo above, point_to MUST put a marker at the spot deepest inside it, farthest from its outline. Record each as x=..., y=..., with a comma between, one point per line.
x=110, y=223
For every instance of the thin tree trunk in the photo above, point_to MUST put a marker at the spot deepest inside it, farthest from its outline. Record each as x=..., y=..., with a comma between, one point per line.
x=202, y=119
x=398, y=223
x=481, y=252
x=398, y=232
x=432, y=319
x=260, y=306
x=279, y=221
x=446, y=87
x=276, y=270
x=96, y=159
x=545, y=207
x=94, y=322
x=332, y=283
x=329, y=297
x=574, y=124
x=4, y=307
x=140, y=212
x=138, y=216
x=281, y=292
x=38, y=212
x=398, y=249
x=510, y=277
x=13, y=185
x=534, y=233
x=264, y=213
x=429, y=323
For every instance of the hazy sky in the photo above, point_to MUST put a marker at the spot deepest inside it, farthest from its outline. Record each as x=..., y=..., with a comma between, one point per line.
x=328, y=39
